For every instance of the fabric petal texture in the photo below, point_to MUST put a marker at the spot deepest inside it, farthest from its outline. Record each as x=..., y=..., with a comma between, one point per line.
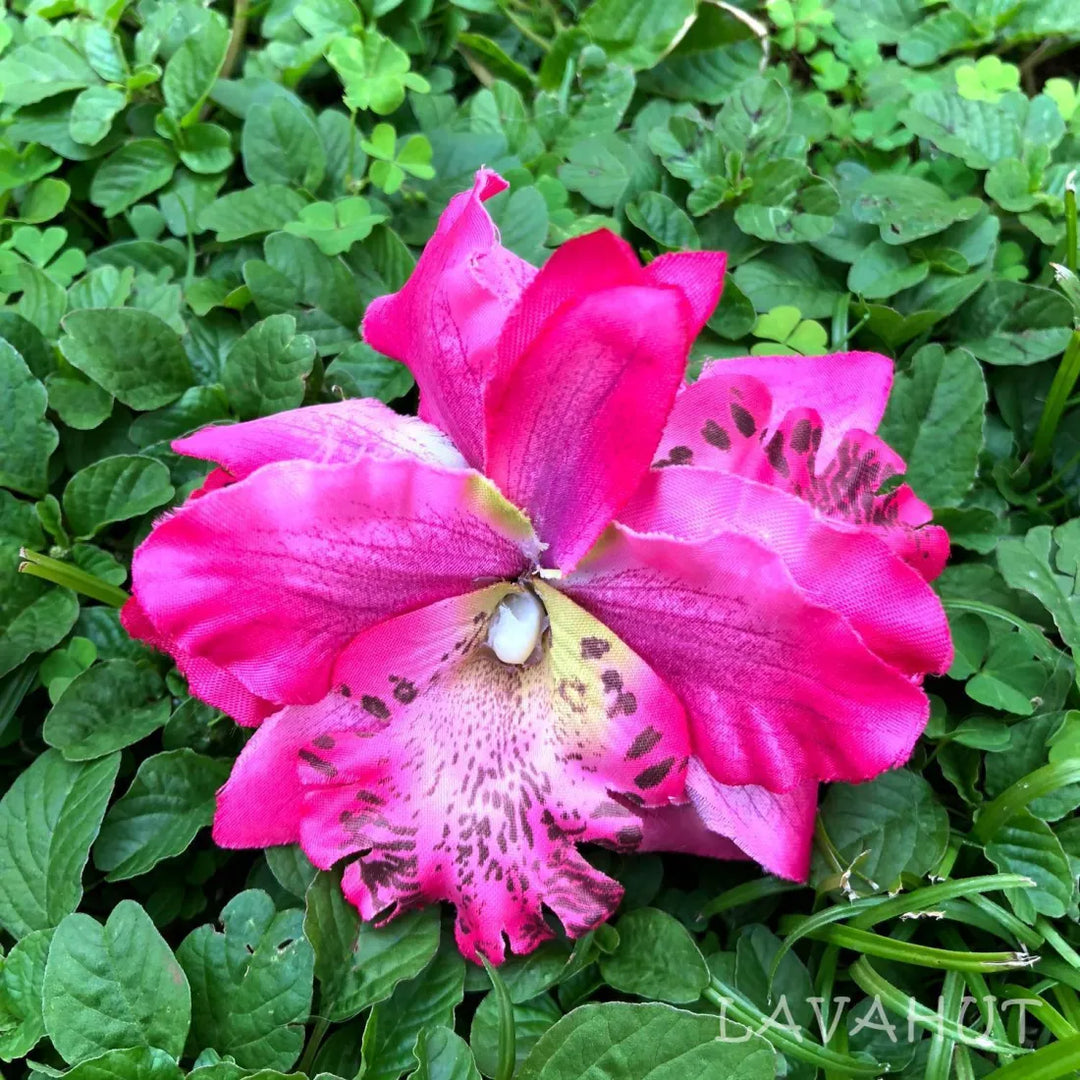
x=576, y=601
x=270, y=578
x=778, y=690
x=454, y=776
x=450, y=313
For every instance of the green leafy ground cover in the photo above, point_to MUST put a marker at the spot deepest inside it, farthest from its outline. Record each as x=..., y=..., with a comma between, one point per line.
x=197, y=206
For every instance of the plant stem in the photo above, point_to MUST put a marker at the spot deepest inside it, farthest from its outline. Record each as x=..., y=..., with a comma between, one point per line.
x=236, y=40
x=1065, y=379
x=70, y=577
x=318, y=1033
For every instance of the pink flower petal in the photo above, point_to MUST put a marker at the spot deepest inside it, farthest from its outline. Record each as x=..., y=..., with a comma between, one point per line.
x=717, y=424
x=270, y=578
x=721, y=821
x=779, y=690
x=733, y=422
x=205, y=680
x=699, y=274
x=849, y=389
x=850, y=571
x=775, y=829
x=454, y=776
x=574, y=426
x=445, y=321
x=334, y=434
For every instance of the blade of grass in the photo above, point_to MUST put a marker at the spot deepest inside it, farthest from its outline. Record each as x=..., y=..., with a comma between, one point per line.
x=1053, y=1062
x=905, y=952
x=901, y=1004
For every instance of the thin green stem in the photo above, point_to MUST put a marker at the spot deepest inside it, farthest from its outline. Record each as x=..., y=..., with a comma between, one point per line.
x=905, y=952
x=236, y=39
x=1053, y=1062
x=1016, y=797
x=748, y=892
x=739, y=1008
x=1070, y=224
x=70, y=577
x=917, y=1014
x=318, y=1033
x=1065, y=378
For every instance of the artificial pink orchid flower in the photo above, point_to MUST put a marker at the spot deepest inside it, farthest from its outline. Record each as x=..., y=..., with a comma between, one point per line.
x=577, y=600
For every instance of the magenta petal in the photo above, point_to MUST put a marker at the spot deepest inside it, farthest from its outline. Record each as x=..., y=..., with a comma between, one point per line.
x=775, y=829
x=779, y=691
x=679, y=829
x=205, y=679
x=335, y=434
x=573, y=427
x=445, y=321
x=849, y=390
x=271, y=577
x=465, y=779
x=699, y=274
x=717, y=423
x=848, y=570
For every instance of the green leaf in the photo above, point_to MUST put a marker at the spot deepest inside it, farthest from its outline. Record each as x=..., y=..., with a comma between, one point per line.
x=192, y=69
x=251, y=985
x=661, y=219
x=442, y=1055
x=656, y=958
x=637, y=32
x=598, y=167
x=281, y=145
x=362, y=372
x=1012, y=323
x=92, y=113
x=1025, y=845
x=136, y=1063
x=48, y=820
x=935, y=422
x=647, y=1042
x=168, y=802
x=1045, y=563
x=41, y=68
x=77, y=401
x=394, y=1024
x=1009, y=184
x=359, y=964
x=21, y=976
x=266, y=370
x=754, y=116
x=252, y=211
x=107, y=707
x=374, y=71
x=114, y=489
x=531, y=1020
x=133, y=354
x=880, y=270
x=26, y=437
x=907, y=208
x=131, y=173
x=889, y=826
x=336, y=226
x=114, y=986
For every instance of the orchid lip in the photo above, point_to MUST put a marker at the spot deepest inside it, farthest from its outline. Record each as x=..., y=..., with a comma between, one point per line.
x=517, y=627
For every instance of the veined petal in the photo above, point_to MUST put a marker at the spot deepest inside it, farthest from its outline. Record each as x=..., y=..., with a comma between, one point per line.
x=444, y=323
x=205, y=679
x=455, y=776
x=779, y=691
x=722, y=821
x=847, y=570
x=849, y=389
x=334, y=434
x=573, y=427
x=270, y=578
